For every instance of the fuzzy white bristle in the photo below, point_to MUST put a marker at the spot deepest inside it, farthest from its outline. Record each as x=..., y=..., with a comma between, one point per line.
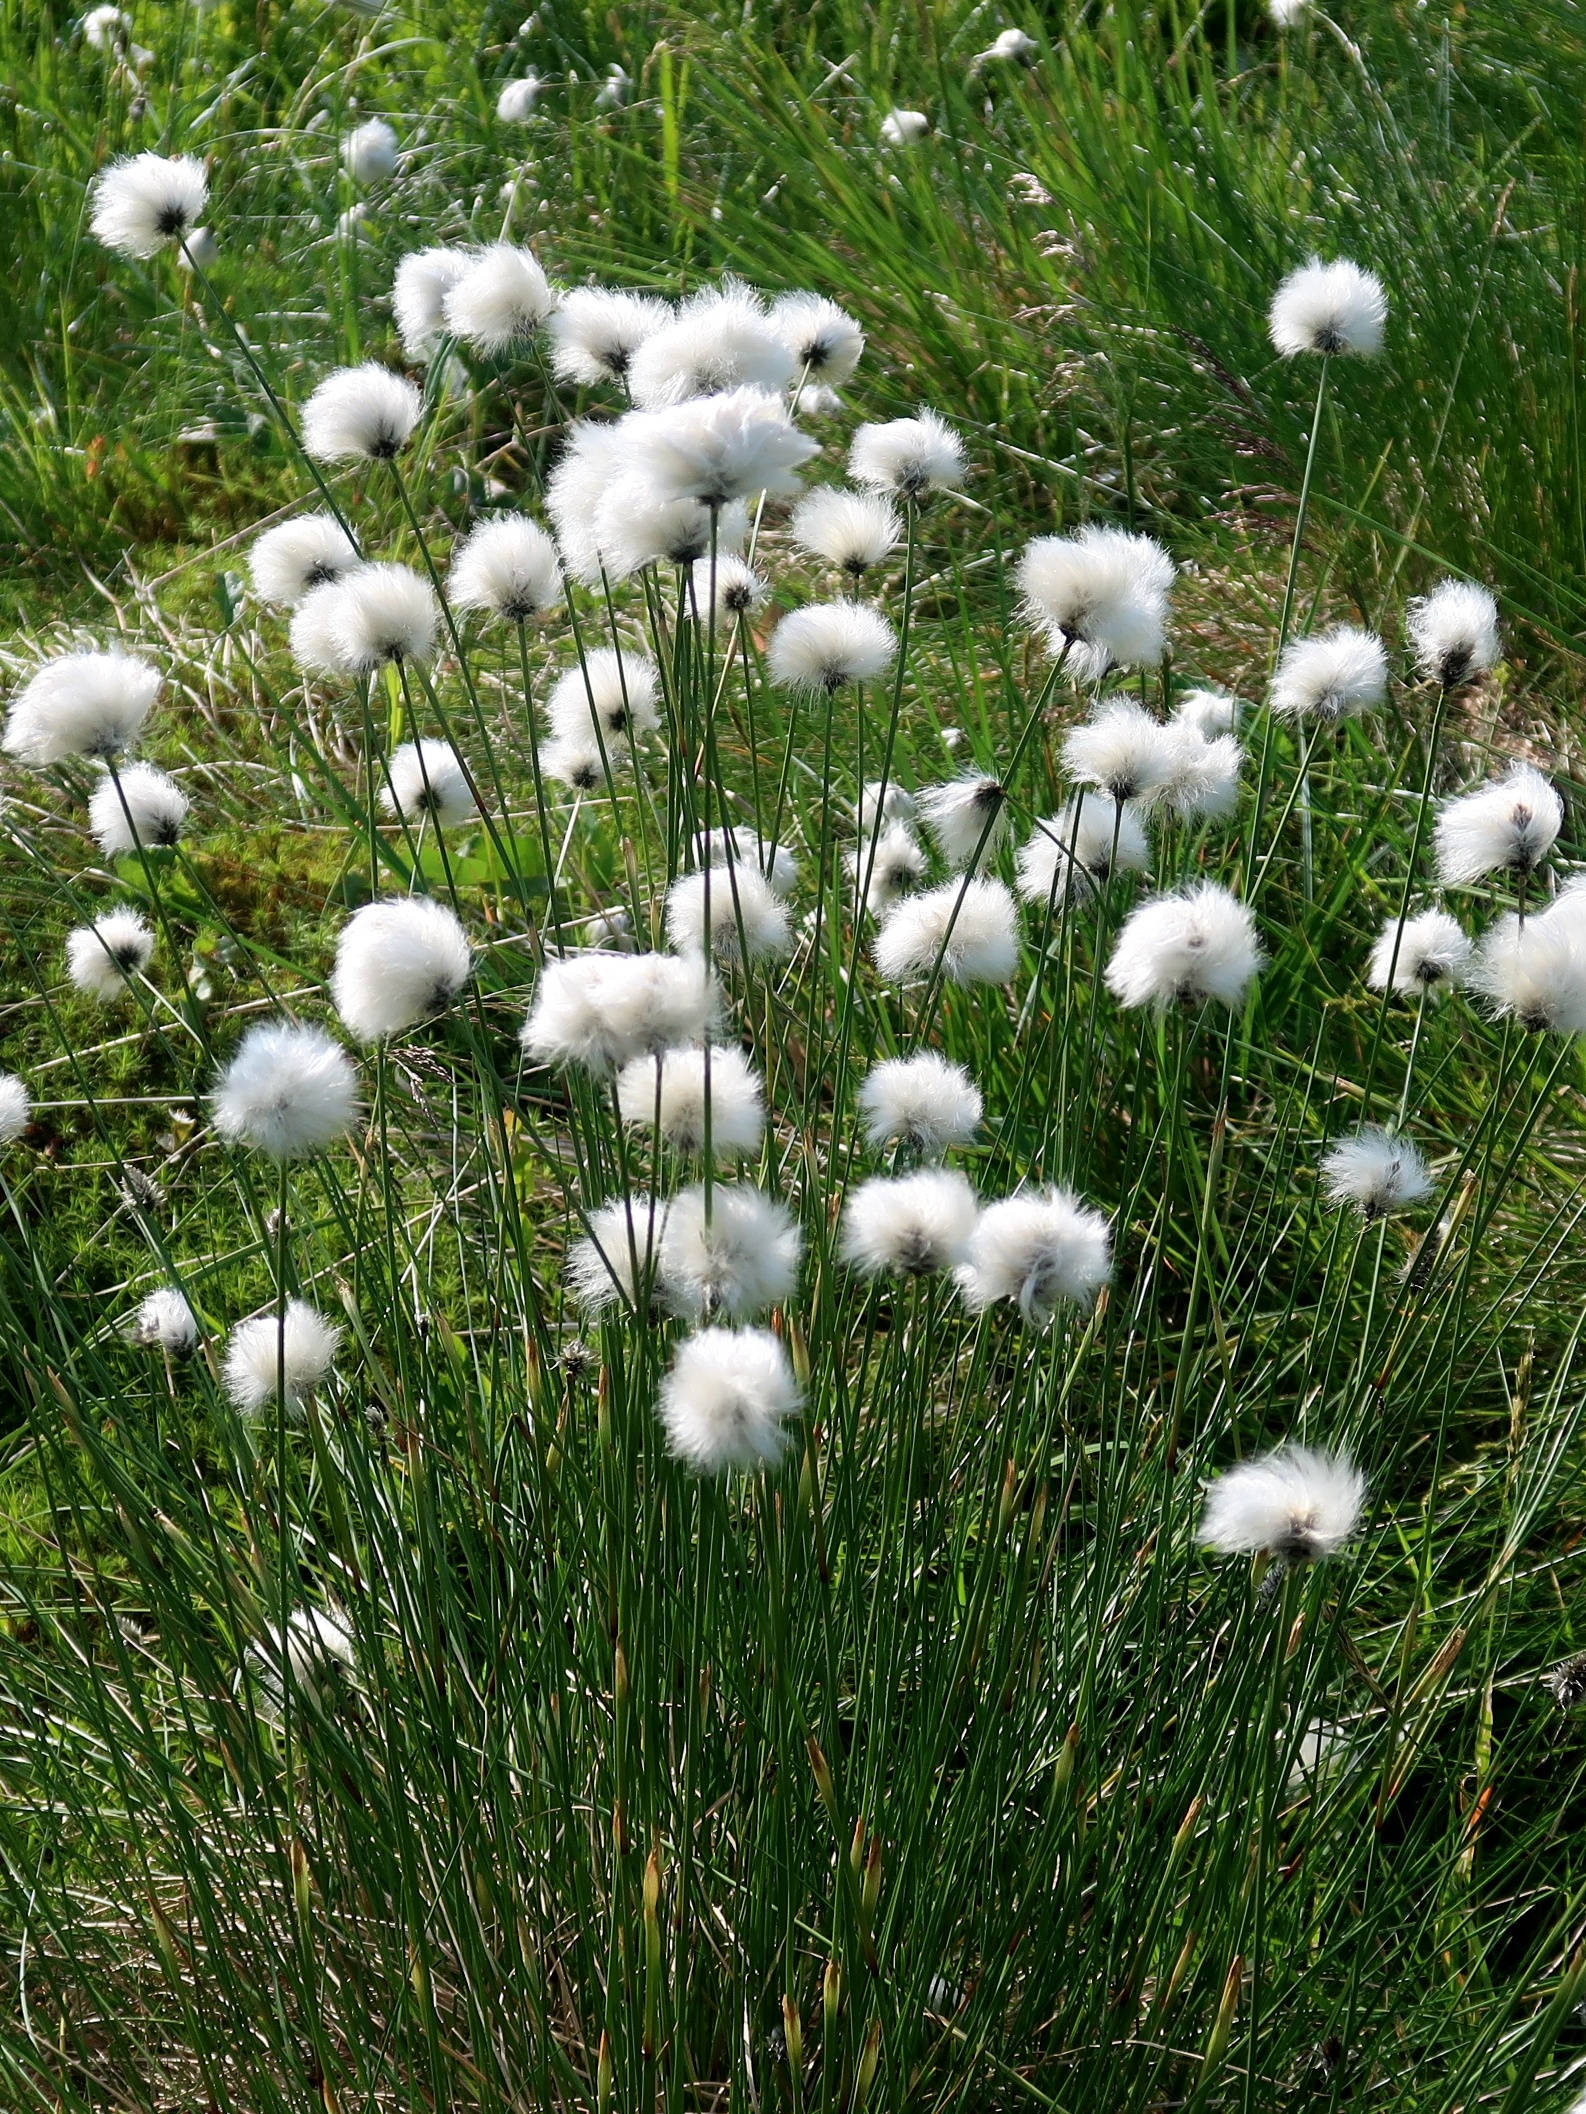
x=720, y=339
x=967, y=819
x=427, y=778
x=101, y=958
x=924, y=1103
x=1177, y=949
x=516, y=101
x=853, y=531
x=1086, y=840
x=1331, y=677
x=826, y=644
x=739, y=1260
x=634, y=525
x=598, y=329
x=145, y=201
x=277, y=1355
x=362, y=413
x=903, y=128
x=1454, y=630
x=1328, y=308
x=734, y=445
x=320, y=1662
x=289, y=1090
x=914, y=1224
x=1506, y=827
x=1100, y=596
x=738, y=846
x=1123, y=752
x=884, y=801
x=16, y=1108
x=668, y=1091
x=740, y=590
x=617, y=1260
x=1375, y=1171
x=295, y=556
x=1203, y=776
x=825, y=341
x=886, y=866
x=500, y=301
x=1209, y=712
x=418, y=297
x=1296, y=1504
x=398, y=962
x=909, y=456
x=600, y=1010
x=1430, y=948
x=1536, y=971
x=81, y=704
x=746, y=918
x=369, y=152
x=507, y=568
x=1039, y=1251
x=728, y=1401
x=617, y=690
x=165, y=1321
x=135, y=806
x=968, y=927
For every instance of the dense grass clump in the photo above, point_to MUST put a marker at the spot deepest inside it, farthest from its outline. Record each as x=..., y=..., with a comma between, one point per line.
x=791, y=1293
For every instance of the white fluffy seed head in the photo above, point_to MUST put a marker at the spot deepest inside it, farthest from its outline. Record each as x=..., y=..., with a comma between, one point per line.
x=909, y=456
x=615, y=89
x=1086, y=840
x=923, y=1103
x=970, y=927
x=288, y=1091
x=826, y=644
x=290, y=1354
x=733, y=445
x=81, y=704
x=737, y=846
x=1295, y=1504
x=1428, y=949
x=746, y=919
x=515, y=104
x=616, y=1262
x=598, y=329
x=1179, y=949
x=670, y=1090
x=1124, y=753
x=16, y=1108
x=635, y=525
x=1203, y=779
x=1039, y=1251
x=966, y=819
x=166, y=1322
x=728, y=1401
x=1286, y=14
x=884, y=801
x=720, y=339
x=1100, y=596
x=508, y=568
x=136, y=806
x=913, y=1224
x=199, y=252
x=1209, y=712
x=397, y=963
x=1331, y=677
x=743, y=1261
x=1536, y=972
x=144, y=201
x=1010, y=46
x=616, y=689
x=106, y=27
x=1454, y=631
x=360, y=414
x=319, y=1646
x=1509, y=826
x=825, y=341
x=887, y=867
x=576, y=761
x=101, y=958
x=378, y=613
x=740, y=590
x=287, y=561
x=902, y=128
x=500, y=301
x=1376, y=1172
x=601, y=1010
x=369, y=152
x=418, y=295
x=426, y=778
x=1328, y=308
x=851, y=530
x=591, y=463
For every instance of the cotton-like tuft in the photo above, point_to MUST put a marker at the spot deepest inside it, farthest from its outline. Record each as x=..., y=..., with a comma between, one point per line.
x=1101, y=597
x=734, y=445
x=418, y=296
x=617, y=689
x=902, y=128
x=747, y=920
x=969, y=927
x=671, y=1086
x=615, y=89
x=1123, y=752
x=16, y=1108
x=288, y=1091
x=598, y=329
x=1536, y=971
x=296, y=556
x=740, y=590
x=1329, y=308
x=826, y=644
x=136, y=806
x=288, y=1354
x=500, y=301
x=601, y=1010
x=397, y=962
x=319, y=1657
x=634, y=524
x=1039, y=1251
x=200, y=251
x=104, y=28
x=1454, y=630
x=508, y=568
x=744, y=1261
x=886, y=866
x=1509, y=827
x=369, y=152
x=1295, y=1504
x=825, y=341
x=1287, y=14
x=81, y=704
x=360, y=414
x=428, y=778
x=1197, y=944
x=1430, y=948
x=967, y=819
x=1210, y=712
x=144, y=201
x=738, y=846
x=617, y=1261
x=884, y=800
x=516, y=101
x=852, y=530
x=1203, y=779
x=376, y=614
x=728, y=1401
x=577, y=760
x=103, y=957
x=914, y=1224
x=1096, y=834
x=1009, y=47
x=166, y=1322
x=909, y=456
x=924, y=1103
x=721, y=339
x=590, y=465
x=1331, y=677
x=1375, y=1171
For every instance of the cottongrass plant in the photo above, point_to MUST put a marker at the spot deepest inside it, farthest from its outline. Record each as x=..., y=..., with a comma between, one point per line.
x=643, y=1541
